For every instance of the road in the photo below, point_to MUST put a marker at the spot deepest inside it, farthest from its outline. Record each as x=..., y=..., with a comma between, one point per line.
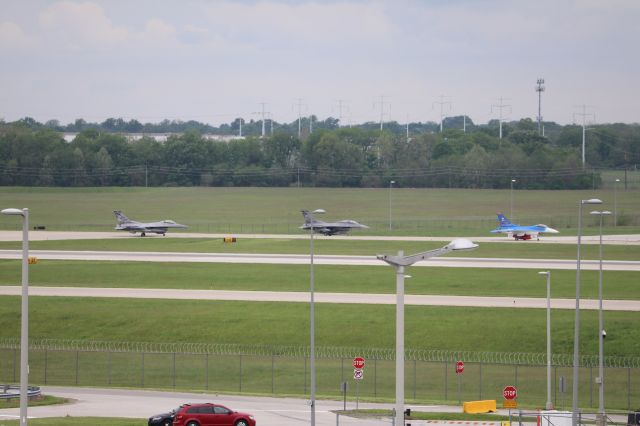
x=300, y=259
x=633, y=239
x=92, y=402
x=303, y=297
x=267, y=411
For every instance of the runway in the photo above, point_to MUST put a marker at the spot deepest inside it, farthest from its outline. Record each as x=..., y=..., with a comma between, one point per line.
x=303, y=297
x=297, y=259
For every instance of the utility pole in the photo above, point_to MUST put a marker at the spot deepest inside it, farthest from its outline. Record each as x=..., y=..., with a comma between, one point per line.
x=382, y=103
x=540, y=89
x=584, y=114
x=500, y=107
x=442, y=103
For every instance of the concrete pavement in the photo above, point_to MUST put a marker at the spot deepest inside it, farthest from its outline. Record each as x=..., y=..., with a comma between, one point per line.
x=303, y=297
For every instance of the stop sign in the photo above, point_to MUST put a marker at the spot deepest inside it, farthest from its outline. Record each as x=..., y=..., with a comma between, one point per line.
x=459, y=367
x=510, y=392
x=358, y=363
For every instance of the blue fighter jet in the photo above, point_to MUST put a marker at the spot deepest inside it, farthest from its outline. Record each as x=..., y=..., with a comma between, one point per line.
x=521, y=232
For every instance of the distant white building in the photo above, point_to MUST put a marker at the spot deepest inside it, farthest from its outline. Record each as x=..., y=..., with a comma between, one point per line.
x=161, y=137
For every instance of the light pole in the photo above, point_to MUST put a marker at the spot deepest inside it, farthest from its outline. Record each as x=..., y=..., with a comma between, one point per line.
x=549, y=405
x=24, y=322
x=511, y=203
x=312, y=326
x=391, y=182
x=400, y=261
x=601, y=332
x=615, y=202
x=576, y=335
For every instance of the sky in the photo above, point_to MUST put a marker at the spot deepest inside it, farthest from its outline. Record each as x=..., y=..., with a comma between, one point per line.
x=404, y=60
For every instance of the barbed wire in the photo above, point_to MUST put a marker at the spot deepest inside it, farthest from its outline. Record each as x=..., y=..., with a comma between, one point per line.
x=327, y=352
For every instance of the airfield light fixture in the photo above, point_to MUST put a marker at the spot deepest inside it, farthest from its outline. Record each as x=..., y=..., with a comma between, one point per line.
x=511, y=200
x=312, y=326
x=615, y=202
x=576, y=334
x=24, y=321
x=400, y=261
x=549, y=404
x=391, y=182
x=601, y=333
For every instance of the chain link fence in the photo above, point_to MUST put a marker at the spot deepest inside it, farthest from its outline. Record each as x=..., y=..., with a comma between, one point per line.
x=284, y=370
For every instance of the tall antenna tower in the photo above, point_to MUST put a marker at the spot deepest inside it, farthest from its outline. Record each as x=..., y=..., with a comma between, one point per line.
x=382, y=103
x=442, y=103
x=500, y=107
x=584, y=114
x=299, y=104
x=540, y=89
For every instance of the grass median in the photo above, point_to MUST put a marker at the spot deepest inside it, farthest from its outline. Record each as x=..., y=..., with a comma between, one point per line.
x=328, y=246
x=328, y=278
x=287, y=324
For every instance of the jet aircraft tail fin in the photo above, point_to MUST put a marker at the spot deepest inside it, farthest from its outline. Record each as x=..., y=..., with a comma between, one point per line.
x=120, y=217
x=307, y=216
x=503, y=221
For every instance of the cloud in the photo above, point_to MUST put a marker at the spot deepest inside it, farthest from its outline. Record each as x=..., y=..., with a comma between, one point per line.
x=81, y=25
x=12, y=37
x=317, y=23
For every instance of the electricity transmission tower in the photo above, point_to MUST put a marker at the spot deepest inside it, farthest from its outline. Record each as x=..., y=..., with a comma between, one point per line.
x=342, y=106
x=500, y=107
x=584, y=114
x=442, y=103
x=299, y=104
x=263, y=114
x=382, y=104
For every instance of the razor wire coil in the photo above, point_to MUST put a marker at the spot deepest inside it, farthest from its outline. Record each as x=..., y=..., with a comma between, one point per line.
x=326, y=352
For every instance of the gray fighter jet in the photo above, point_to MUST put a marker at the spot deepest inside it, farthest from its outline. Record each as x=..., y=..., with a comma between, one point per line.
x=126, y=224
x=329, y=228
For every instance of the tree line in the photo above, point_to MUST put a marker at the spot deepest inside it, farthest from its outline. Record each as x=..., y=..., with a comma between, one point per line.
x=35, y=154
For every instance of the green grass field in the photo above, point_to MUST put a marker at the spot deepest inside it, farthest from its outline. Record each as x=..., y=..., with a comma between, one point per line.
x=258, y=210
x=328, y=278
x=343, y=325
x=276, y=210
x=511, y=249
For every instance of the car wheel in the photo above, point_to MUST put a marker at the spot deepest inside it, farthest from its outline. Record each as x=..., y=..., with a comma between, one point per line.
x=167, y=423
x=242, y=423
x=193, y=424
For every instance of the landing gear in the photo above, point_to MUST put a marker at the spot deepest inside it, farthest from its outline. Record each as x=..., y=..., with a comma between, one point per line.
x=142, y=234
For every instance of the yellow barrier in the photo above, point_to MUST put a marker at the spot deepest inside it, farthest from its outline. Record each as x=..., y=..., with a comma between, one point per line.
x=475, y=407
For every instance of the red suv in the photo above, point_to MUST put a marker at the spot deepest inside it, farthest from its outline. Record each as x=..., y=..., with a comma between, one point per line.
x=211, y=415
